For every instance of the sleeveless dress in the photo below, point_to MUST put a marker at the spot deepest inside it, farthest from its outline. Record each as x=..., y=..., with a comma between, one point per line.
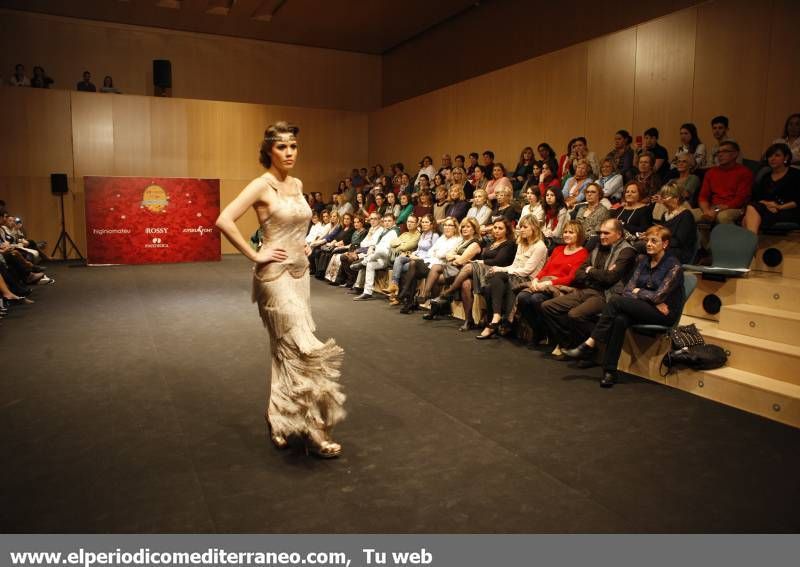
x=304, y=390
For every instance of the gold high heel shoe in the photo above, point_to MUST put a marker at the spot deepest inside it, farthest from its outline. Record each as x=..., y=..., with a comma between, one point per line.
x=279, y=441
x=318, y=444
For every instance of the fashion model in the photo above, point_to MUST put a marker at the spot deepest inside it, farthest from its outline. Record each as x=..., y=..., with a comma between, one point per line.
x=305, y=398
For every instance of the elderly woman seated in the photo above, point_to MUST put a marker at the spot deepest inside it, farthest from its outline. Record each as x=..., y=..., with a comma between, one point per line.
x=559, y=271
x=473, y=275
x=591, y=214
x=481, y=211
x=653, y=296
x=679, y=219
x=419, y=268
x=460, y=256
x=502, y=283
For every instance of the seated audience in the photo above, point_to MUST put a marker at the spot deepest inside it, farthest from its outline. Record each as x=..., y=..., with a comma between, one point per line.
x=534, y=206
x=498, y=180
x=347, y=277
x=488, y=163
x=547, y=155
x=523, y=170
x=419, y=269
x=40, y=79
x=720, y=129
x=406, y=208
x=504, y=206
x=320, y=225
x=591, y=214
x=457, y=207
x=678, y=218
x=86, y=84
x=376, y=258
x=570, y=318
x=776, y=195
x=548, y=179
x=611, y=184
x=343, y=205
x=392, y=206
x=503, y=282
x=456, y=259
x=473, y=275
x=660, y=165
x=652, y=296
x=108, y=86
x=558, y=272
x=427, y=169
x=580, y=151
x=427, y=238
x=556, y=215
x=726, y=188
x=690, y=144
x=649, y=181
x=480, y=210
x=424, y=205
x=361, y=205
x=321, y=256
x=791, y=137
x=621, y=155
x=19, y=78
x=636, y=213
x=575, y=185
x=333, y=271
x=440, y=206
x=478, y=179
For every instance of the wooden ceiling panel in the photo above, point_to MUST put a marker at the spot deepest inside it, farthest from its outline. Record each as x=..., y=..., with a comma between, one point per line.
x=364, y=26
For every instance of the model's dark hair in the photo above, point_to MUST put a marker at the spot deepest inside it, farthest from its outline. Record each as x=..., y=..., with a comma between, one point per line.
x=270, y=135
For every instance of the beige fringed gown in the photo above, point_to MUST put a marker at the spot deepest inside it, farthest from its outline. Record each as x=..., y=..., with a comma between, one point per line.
x=304, y=392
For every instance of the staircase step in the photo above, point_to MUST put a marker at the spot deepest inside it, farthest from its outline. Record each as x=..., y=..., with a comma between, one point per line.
x=773, y=359
x=751, y=392
x=725, y=291
x=761, y=322
x=769, y=290
x=791, y=267
x=788, y=245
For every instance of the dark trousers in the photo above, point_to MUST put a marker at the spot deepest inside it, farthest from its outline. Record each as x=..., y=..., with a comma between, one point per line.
x=498, y=295
x=569, y=319
x=529, y=305
x=417, y=269
x=346, y=275
x=619, y=314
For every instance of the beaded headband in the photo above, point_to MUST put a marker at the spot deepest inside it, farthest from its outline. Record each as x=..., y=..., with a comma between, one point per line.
x=279, y=138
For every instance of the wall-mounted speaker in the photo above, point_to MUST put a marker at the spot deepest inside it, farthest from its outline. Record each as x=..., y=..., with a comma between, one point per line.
x=162, y=73
x=59, y=183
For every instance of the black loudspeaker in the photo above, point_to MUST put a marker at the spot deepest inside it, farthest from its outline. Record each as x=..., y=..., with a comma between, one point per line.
x=58, y=183
x=162, y=73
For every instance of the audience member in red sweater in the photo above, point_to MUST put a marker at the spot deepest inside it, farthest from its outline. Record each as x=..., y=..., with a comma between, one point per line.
x=726, y=188
x=559, y=270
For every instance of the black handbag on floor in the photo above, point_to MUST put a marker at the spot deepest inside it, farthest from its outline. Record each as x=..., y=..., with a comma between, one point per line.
x=697, y=357
x=685, y=336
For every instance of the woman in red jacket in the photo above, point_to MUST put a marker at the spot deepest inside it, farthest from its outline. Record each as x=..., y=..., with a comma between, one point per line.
x=559, y=271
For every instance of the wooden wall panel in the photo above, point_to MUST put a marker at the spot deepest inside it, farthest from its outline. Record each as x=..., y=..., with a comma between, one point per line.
x=611, y=75
x=665, y=52
x=564, y=84
x=132, y=136
x=783, y=80
x=92, y=134
x=31, y=199
x=169, y=131
x=203, y=66
x=37, y=129
x=731, y=67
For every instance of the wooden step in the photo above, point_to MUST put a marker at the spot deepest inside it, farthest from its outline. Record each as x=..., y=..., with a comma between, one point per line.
x=773, y=359
x=726, y=291
x=791, y=267
x=769, y=290
x=788, y=244
x=750, y=392
x=761, y=322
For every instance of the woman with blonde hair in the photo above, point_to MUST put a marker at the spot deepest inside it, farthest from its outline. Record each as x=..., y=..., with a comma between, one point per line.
x=480, y=210
x=458, y=206
x=503, y=282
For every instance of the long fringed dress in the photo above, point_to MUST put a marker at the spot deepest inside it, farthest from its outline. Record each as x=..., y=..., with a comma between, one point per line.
x=304, y=391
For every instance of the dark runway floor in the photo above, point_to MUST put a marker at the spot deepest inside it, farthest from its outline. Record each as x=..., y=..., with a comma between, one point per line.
x=132, y=401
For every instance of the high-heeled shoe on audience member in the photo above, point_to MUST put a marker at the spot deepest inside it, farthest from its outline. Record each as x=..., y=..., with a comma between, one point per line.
x=502, y=281
x=460, y=256
x=419, y=269
x=472, y=276
x=559, y=270
x=427, y=238
x=652, y=296
x=335, y=263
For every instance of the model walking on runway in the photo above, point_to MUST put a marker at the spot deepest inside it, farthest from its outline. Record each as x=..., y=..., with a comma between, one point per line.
x=305, y=398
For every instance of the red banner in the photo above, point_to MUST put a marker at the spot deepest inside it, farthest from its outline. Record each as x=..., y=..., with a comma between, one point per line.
x=149, y=220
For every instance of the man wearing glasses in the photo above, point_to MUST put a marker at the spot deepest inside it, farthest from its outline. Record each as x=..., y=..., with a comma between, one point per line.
x=570, y=318
x=726, y=188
